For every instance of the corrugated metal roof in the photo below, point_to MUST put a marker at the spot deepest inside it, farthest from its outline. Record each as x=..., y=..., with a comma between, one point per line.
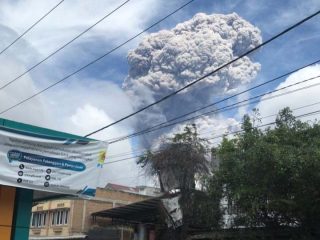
x=144, y=211
x=122, y=188
x=147, y=211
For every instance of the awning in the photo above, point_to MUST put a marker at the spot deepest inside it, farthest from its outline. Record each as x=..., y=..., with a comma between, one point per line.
x=146, y=211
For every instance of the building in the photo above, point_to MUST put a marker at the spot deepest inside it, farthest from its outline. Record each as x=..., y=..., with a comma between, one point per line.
x=71, y=218
x=144, y=218
x=142, y=190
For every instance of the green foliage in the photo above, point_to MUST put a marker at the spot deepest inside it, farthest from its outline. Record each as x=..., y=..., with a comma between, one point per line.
x=271, y=177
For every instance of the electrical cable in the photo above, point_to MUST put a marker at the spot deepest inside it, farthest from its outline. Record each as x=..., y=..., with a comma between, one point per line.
x=225, y=108
x=209, y=74
x=235, y=105
x=225, y=99
x=266, y=125
x=142, y=150
x=96, y=60
x=126, y=153
x=242, y=92
x=223, y=135
x=62, y=47
x=237, y=94
x=123, y=159
x=32, y=26
x=272, y=115
x=137, y=176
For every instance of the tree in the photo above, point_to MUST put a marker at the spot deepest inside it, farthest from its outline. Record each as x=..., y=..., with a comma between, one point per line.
x=179, y=160
x=271, y=177
x=179, y=164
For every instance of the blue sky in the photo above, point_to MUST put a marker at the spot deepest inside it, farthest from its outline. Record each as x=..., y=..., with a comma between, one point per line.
x=295, y=49
x=270, y=17
x=292, y=50
x=94, y=97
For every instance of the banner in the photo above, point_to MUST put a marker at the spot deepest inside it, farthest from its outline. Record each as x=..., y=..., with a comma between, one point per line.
x=52, y=164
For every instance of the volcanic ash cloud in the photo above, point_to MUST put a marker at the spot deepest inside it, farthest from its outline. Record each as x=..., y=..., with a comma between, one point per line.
x=170, y=59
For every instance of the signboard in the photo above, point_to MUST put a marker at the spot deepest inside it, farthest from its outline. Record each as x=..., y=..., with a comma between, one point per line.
x=48, y=163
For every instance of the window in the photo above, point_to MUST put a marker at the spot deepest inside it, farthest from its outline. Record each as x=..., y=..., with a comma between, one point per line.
x=38, y=219
x=60, y=217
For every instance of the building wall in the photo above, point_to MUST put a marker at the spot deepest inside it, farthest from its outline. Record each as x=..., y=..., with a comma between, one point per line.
x=49, y=208
x=15, y=205
x=79, y=219
x=76, y=216
x=7, y=197
x=107, y=199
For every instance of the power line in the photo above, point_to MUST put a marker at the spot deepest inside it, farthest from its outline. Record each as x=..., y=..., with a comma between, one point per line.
x=123, y=159
x=32, y=26
x=267, y=124
x=223, y=109
x=247, y=101
x=223, y=135
x=209, y=74
x=225, y=99
x=126, y=153
x=97, y=59
x=141, y=150
x=63, y=46
x=272, y=115
x=136, y=177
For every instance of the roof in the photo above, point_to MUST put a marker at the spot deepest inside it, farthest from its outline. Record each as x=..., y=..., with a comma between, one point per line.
x=122, y=188
x=146, y=211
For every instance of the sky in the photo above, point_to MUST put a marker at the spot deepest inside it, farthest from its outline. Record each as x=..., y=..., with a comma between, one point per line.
x=113, y=88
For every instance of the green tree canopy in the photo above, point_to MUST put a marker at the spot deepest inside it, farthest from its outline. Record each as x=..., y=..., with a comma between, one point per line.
x=271, y=177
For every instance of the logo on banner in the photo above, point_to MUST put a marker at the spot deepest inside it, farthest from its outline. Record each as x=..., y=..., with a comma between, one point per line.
x=101, y=159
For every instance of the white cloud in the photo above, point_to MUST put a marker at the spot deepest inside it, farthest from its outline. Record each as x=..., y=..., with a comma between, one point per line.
x=35, y=112
x=208, y=127
x=89, y=118
x=89, y=107
x=170, y=59
x=296, y=99
x=78, y=107
x=72, y=17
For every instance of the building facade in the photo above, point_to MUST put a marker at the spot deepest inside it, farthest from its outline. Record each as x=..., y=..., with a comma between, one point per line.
x=71, y=219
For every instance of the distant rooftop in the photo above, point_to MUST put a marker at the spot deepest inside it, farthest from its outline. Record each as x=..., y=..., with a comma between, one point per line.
x=117, y=187
x=143, y=190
